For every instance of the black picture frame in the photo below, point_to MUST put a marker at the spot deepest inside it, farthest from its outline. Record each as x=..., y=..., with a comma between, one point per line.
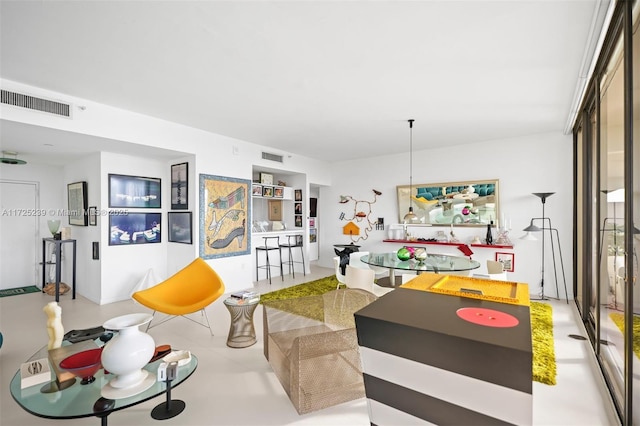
x=298, y=221
x=297, y=195
x=77, y=203
x=180, y=186
x=126, y=229
x=278, y=192
x=267, y=191
x=180, y=227
x=134, y=192
x=93, y=216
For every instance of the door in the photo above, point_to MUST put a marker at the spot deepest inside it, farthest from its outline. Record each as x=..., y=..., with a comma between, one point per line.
x=19, y=231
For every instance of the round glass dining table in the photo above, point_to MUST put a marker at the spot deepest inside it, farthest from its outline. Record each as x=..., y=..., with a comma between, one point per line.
x=437, y=263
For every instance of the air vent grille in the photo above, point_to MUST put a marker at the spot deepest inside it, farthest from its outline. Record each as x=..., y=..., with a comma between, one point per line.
x=38, y=104
x=272, y=157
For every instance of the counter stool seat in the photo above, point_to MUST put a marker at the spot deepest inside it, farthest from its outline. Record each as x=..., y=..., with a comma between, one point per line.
x=292, y=242
x=273, y=245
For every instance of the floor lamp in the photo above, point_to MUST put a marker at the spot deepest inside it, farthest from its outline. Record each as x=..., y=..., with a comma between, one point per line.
x=528, y=236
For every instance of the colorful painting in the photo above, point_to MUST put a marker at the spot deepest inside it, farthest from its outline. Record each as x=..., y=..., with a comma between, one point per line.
x=225, y=210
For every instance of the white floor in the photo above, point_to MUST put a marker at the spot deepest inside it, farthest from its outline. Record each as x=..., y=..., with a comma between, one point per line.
x=238, y=387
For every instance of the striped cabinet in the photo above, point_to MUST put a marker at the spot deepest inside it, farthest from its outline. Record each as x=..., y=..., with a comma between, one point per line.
x=425, y=363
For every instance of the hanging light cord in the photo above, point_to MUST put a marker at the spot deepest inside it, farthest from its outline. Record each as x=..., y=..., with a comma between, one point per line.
x=410, y=161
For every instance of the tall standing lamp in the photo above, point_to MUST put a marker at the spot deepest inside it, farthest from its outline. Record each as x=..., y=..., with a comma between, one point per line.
x=533, y=228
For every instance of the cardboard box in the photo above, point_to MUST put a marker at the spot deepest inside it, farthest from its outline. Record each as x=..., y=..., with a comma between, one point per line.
x=34, y=373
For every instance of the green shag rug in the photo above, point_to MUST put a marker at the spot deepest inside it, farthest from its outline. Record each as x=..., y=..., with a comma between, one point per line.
x=19, y=290
x=544, y=359
x=618, y=319
x=544, y=355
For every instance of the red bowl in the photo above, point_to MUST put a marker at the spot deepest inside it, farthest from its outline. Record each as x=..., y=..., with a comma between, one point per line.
x=84, y=364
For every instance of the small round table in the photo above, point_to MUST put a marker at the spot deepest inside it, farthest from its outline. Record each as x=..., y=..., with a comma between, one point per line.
x=242, y=333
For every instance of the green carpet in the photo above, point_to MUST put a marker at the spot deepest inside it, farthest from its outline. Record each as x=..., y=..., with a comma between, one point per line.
x=618, y=319
x=19, y=290
x=544, y=359
x=544, y=356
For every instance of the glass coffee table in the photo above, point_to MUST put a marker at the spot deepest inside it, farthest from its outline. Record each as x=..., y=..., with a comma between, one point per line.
x=78, y=400
x=437, y=263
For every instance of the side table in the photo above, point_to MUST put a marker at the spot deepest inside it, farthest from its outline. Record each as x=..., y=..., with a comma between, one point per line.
x=242, y=333
x=58, y=252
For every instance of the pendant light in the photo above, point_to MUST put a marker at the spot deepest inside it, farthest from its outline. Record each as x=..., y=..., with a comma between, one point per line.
x=410, y=216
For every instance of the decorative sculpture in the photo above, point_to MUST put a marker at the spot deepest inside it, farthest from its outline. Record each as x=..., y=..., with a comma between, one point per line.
x=54, y=324
x=361, y=213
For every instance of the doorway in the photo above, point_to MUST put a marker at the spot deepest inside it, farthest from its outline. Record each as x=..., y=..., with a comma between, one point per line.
x=19, y=227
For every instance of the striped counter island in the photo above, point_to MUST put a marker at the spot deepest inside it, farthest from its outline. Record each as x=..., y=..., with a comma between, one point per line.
x=434, y=357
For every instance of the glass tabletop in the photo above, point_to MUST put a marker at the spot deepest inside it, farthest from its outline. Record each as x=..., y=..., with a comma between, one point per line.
x=433, y=263
x=78, y=400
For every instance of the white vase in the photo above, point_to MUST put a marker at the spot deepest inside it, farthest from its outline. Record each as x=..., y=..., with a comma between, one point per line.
x=129, y=351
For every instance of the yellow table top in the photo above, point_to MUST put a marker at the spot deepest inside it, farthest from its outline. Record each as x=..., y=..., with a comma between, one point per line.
x=475, y=288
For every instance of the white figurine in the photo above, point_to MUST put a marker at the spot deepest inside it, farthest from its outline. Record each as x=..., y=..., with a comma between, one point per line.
x=54, y=324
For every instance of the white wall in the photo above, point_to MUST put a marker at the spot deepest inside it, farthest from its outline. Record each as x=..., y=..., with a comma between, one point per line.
x=209, y=153
x=540, y=163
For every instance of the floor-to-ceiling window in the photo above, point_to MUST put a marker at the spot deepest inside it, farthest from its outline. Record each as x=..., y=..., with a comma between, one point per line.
x=607, y=204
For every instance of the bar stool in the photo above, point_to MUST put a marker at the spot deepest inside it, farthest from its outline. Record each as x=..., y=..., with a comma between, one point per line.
x=290, y=245
x=266, y=248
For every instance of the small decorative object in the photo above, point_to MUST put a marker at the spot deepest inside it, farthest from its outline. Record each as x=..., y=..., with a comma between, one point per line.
x=93, y=213
x=470, y=189
x=441, y=237
x=412, y=251
x=34, y=373
x=84, y=364
x=54, y=324
x=465, y=210
x=489, y=238
x=420, y=254
x=54, y=226
x=266, y=178
x=476, y=240
x=126, y=354
x=403, y=254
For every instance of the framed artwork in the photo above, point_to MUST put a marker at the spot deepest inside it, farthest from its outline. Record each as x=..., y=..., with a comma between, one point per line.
x=297, y=195
x=275, y=210
x=298, y=221
x=507, y=260
x=313, y=236
x=278, y=192
x=134, y=228
x=267, y=191
x=464, y=203
x=298, y=208
x=77, y=203
x=93, y=213
x=134, y=191
x=180, y=186
x=180, y=226
x=256, y=190
x=225, y=210
x=266, y=178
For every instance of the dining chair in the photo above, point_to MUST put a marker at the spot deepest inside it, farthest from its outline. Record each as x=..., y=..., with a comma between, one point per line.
x=363, y=279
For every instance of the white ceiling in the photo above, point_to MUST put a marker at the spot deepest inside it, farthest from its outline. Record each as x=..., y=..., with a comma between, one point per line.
x=330, y=80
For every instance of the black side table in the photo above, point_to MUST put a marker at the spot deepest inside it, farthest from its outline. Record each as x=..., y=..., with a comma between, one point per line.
x=58, y=251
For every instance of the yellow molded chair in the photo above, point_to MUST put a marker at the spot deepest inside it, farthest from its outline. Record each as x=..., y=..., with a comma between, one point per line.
x=189, y=290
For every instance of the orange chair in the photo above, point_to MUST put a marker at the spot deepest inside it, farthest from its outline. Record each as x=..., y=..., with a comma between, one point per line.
x=189, y=290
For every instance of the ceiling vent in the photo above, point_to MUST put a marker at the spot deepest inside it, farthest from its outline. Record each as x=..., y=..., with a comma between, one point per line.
x=39, y=104
x=272, y=157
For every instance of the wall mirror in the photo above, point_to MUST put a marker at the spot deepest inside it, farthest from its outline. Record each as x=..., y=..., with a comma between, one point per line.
x=469, y=203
